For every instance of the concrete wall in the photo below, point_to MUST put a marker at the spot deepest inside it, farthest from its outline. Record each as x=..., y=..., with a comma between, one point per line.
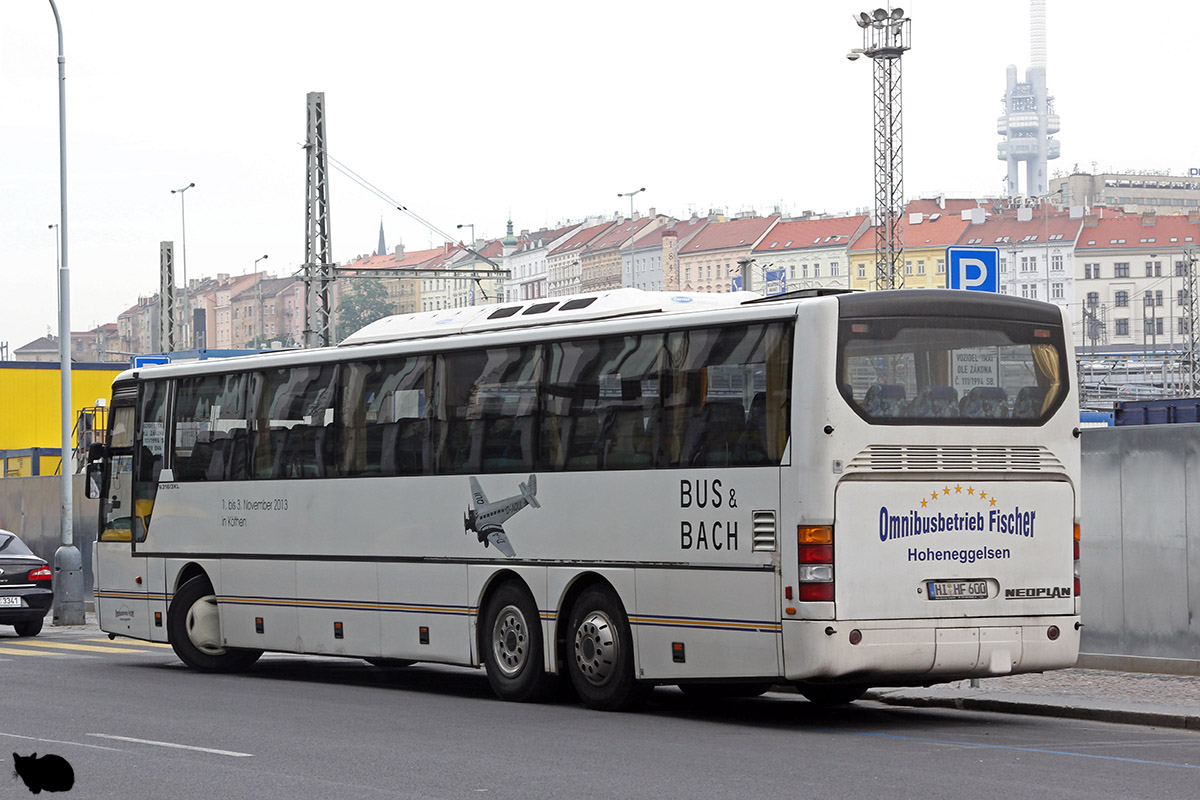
x=1140, y=541
x=31, y=508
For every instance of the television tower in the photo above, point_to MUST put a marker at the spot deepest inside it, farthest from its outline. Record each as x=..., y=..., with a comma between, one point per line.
x=1029, y=119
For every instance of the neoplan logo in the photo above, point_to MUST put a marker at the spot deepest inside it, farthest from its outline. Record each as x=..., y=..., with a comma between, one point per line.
x=1031, y=593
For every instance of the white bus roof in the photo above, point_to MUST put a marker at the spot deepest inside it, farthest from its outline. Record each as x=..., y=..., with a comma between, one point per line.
x=545, y=311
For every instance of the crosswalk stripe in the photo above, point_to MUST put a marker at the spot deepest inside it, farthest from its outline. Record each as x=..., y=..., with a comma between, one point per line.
x=91, y=648
x=44, y=654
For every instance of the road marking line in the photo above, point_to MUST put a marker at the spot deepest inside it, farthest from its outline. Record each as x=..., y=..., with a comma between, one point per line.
x=43, y=654
x=59, y=741
x=91, y=648
x=118, y=642
x=173, y=744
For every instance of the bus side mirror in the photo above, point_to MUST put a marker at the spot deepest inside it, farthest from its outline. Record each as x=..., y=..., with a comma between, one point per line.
x=91, y=479
x=96, y=451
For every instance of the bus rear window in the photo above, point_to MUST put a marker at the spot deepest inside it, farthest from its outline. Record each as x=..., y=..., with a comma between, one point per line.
x=935, y=370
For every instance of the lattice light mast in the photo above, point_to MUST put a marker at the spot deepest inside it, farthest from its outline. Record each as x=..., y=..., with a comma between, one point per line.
x=886, y=35
x=318, y=252
x=1191, y=305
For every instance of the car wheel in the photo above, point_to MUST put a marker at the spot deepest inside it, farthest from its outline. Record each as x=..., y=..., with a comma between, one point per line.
x=600, y=653
x=513, y=650
x=31, y=628
x=194, y=630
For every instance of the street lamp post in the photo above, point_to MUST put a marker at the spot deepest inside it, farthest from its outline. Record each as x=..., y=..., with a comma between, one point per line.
x=68, y=563
x=631, y=195
x=470, y=225
x=258, y=326
x=187, y=311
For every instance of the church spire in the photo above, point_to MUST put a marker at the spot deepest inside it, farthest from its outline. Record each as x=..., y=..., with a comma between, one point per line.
x=382, y=245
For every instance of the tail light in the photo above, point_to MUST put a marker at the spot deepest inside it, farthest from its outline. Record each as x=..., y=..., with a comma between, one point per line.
x=815, y=558
x=41, y=574
x=1077, y=587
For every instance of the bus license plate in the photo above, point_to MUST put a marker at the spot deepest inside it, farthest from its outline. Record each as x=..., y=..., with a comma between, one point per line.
x=10, y=601
x=957, y=590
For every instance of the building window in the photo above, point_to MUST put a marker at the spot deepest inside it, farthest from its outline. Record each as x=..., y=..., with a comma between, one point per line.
x=1122, y=327
x=1093, y=299
x=1158, y=298
x=1180, y=269
x=941, y=264
x=1181, y=297
x=862, y=271
x=1056, y=262
x=1121, y=269
x=1153, y=269
x=1056, y=291
x=1122, y=299
x=920, y=267
x=908, y=268
x=816, y=270
x=834, y=269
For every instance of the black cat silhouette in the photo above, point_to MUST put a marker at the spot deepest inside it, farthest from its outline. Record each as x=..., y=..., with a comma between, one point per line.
x=49, y=773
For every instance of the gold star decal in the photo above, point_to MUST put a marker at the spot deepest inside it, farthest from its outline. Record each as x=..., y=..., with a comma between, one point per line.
x=983, y=495
x=970, y=490
x=924, y=503
x=993, y=501
x=933, y=496
x=957, y=489
x=946, y=490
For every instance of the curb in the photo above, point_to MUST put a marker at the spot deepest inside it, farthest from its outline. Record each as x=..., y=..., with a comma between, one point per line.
x=1127, y=716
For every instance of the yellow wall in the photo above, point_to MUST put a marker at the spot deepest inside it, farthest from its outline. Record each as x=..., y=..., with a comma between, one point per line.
x=932, y=279
x=29, y=406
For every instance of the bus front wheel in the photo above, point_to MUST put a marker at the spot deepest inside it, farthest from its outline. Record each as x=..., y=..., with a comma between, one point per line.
x=194, y=630
x=513, y=650
x=600, y=653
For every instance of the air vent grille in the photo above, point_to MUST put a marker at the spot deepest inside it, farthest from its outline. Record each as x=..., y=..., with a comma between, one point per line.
x=764, y=531
x=955, y=458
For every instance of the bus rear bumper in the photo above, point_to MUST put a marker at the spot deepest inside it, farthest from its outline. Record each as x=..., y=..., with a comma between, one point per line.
x=919, y=652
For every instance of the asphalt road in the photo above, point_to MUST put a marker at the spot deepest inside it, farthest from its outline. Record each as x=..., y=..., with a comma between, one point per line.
x=134, y=722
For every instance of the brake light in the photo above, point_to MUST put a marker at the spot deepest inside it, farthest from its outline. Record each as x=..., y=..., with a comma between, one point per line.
x=1077, y=586
x=41, y=574
x=815, y=557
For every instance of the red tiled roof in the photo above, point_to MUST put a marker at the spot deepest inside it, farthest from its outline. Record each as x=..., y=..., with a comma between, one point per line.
x=730, y=234
x=581, y=238
x=940, y=228
x=1004, y=229
x=804, y=233
x=619, y=233
x=1127, y=231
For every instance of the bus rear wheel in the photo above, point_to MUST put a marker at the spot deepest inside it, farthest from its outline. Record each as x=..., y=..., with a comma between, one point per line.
x=513, y=650
x=194, y=630
x=600, y=653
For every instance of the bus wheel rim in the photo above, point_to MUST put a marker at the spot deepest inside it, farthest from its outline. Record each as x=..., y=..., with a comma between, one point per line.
x=596, y=648
x=204, y=626
x=510, y=641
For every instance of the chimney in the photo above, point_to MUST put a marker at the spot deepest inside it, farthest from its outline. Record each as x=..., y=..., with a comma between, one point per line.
x=399, y=251
x=1090, y=220
x=1149, y=217
x=1194, y=216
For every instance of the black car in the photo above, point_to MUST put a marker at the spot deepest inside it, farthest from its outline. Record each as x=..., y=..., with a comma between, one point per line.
x=25, y=586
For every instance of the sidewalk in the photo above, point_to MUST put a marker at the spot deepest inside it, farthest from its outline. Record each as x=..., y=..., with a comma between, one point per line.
x=1137, y=698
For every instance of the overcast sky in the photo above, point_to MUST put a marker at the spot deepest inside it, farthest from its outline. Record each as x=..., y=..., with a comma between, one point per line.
x=468, y=112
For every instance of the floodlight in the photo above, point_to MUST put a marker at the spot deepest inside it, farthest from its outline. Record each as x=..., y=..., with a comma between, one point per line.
x=880, y=14
x=897, y=13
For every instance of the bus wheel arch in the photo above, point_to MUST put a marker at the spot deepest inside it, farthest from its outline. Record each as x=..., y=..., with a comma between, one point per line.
x=193, y=629
x=511, y=641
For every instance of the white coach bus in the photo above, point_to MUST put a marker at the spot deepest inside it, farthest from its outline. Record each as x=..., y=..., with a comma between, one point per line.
x=723, y=492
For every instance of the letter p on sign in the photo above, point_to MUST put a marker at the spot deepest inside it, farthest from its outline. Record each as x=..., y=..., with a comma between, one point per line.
x=975, y=268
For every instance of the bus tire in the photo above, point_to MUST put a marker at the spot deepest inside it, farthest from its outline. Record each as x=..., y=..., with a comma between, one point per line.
x=826, y=695
x=600, y=653
x=31, y=628
x=513, y=649
x=194, y=631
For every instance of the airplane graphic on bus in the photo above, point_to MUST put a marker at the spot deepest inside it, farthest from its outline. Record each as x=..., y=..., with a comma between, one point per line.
x=487, y=519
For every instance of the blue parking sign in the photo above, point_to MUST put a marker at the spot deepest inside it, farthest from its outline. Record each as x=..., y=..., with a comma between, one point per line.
x=974, y=268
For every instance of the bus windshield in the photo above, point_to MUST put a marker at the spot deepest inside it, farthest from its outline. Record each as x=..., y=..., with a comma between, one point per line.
x=936, y=370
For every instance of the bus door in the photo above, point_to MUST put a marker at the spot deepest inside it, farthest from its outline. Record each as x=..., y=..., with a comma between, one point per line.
x=128, y=481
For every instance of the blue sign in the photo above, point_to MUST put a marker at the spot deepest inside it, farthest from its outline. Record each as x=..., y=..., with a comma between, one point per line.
x=737, y=283
x=776, y=281
x=974, y=268
x=148, y=361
